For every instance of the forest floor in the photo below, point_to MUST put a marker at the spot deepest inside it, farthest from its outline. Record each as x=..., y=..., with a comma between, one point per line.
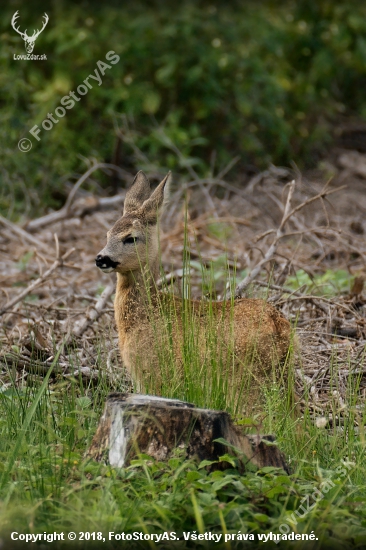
x=315, y=277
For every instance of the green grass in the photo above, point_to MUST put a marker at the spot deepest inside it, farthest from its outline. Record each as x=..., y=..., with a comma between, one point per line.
x=46, y=485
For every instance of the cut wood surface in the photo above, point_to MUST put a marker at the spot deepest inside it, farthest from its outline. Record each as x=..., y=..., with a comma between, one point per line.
x=133, y=424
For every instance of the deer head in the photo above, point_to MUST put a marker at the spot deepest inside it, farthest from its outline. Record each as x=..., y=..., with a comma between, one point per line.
x=29, y=40
x=132, y=243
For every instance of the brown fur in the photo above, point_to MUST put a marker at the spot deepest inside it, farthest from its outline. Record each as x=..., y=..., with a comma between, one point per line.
x=255, y=332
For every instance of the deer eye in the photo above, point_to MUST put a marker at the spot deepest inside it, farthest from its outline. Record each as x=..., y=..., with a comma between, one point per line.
x=129, y=240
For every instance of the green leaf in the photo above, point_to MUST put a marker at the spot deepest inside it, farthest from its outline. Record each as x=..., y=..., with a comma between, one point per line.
x=228, y=458
x=193, y=476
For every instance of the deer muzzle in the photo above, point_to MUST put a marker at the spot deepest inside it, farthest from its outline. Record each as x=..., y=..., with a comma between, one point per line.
x=105, y=263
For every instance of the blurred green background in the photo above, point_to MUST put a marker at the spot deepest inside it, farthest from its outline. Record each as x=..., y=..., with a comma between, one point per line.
x=268, y=81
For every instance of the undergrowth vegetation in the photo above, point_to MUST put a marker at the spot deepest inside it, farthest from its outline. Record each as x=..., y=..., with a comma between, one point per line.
x=46, y=483
x=266, y=81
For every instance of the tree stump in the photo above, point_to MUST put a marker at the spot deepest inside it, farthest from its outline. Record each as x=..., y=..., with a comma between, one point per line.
x=133, y=424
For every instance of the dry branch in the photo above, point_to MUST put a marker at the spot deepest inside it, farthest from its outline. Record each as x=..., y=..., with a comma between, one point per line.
x=57, y=263
x=272, y=249
x=299, y=295
x=94, y=311
x=287, y=214
x=24, y=235
x=66, y=211
x=32, y=366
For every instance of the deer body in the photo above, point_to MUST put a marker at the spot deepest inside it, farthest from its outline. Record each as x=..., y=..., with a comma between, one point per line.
x=249, y=336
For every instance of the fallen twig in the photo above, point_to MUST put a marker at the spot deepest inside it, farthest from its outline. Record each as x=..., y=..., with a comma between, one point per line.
x=29, y=365
x=24, y=235
x=272, y=249
x=94, y=311
x=65, y=211
x=57, y=263
x=287, y=214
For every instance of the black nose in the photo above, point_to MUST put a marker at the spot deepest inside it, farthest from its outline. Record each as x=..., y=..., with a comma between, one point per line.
x=105, y=261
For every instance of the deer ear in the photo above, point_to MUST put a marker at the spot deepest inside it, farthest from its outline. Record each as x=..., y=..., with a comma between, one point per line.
x=137, y=193
x=160, y=195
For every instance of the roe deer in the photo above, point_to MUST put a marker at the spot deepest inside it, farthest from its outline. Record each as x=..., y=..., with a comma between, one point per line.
x=257, y=335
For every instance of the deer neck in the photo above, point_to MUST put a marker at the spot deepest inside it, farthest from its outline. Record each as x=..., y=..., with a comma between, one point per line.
x=135, y=292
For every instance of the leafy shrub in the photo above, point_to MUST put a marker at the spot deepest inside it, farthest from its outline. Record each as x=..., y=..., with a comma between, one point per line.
x=263, y=81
